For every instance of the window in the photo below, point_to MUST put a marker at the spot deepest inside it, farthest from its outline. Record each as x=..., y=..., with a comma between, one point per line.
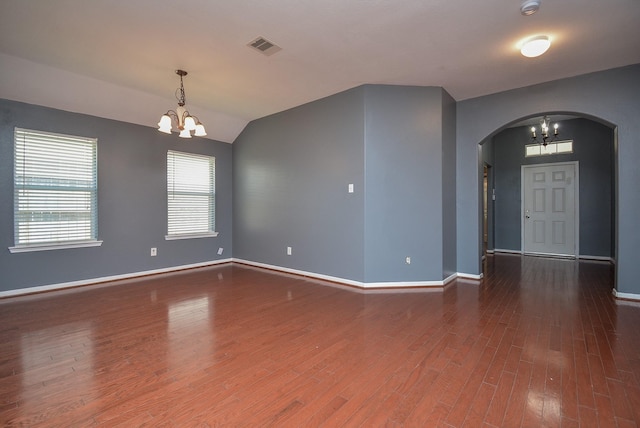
x=557, y=147
x=191, y=195
x=55, y=191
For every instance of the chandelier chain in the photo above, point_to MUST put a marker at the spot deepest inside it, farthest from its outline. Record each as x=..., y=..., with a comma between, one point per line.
x=180, y=96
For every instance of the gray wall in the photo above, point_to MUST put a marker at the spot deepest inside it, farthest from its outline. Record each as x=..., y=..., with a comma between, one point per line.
x=487, y=160
x=449, y=249
x=293, y=169
x=609, y=96
x=403, y=209
x=131, y=201
x=291, y=175
x=593, y=149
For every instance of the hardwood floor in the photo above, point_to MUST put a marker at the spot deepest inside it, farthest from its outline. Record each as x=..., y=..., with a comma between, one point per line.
x=538, y=342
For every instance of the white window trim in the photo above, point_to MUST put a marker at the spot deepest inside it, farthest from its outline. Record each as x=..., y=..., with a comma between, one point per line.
x=191, y=236
x=555, y=143
x=202, y=233
x=47, y=247
x=56, y=245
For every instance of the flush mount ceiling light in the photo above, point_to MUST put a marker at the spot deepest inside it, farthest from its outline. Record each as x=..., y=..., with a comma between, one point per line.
x=529, y=7
x=535, y=46
x=184, y=121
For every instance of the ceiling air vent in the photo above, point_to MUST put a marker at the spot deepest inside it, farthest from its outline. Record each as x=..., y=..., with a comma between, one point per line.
x=264, y=46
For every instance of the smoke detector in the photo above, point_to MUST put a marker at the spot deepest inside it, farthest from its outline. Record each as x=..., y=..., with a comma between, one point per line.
x=529, y=7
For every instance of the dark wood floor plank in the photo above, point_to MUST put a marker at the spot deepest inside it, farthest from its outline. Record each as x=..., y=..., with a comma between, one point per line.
x=537, y=342
x=498, y=406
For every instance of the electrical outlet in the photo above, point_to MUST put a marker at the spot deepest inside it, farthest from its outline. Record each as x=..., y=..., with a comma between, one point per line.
x=288, y=251
x=154, y=251
x=220, y=250
x=407, y=260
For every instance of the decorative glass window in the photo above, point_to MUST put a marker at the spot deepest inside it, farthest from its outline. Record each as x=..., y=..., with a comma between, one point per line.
x=554, y=148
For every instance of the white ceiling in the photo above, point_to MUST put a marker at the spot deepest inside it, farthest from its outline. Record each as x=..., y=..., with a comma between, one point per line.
x=467, y=47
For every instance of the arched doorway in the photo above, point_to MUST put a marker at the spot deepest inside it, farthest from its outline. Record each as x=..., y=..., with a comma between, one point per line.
x=505, y=152
x=609, y=97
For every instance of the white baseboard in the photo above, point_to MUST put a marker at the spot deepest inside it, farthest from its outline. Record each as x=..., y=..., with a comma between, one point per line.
x=469, y=276
x=359, y=284
x=581, y=257
x=501, y=251
x=299, y=272
x=597, y=258
x=93, y=281
x=363, y=285
x=626, y=296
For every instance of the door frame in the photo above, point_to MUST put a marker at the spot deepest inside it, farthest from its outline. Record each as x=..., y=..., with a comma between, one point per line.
x=576, y=223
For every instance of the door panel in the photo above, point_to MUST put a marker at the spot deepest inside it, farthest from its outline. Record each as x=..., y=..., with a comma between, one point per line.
x=550, y=213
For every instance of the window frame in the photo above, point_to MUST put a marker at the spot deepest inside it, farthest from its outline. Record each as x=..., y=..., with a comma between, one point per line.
x=56, y=184
x=172, y=156
x=553, y=144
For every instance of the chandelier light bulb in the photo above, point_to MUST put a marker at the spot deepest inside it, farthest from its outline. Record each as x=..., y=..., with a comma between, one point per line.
x=545, y=122
x=189, y=124
x=165, y=124
x=535, y=46
x=200, y=131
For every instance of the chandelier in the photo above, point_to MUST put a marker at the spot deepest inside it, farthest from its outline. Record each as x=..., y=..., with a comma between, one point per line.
x=183, y=120
x=544, y=131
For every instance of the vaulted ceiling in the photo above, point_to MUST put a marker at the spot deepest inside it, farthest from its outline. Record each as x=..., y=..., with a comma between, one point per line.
x=470, y=48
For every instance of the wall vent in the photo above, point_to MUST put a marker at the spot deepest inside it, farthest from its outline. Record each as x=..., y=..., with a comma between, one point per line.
x=264, y=46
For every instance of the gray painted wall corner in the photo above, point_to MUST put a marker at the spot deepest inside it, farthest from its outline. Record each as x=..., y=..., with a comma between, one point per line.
x=404, y=164
x=291, y=177
x=449, y=242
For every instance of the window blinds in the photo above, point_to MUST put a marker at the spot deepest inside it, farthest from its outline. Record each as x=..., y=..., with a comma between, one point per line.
x=190, y=194
x=55, y=188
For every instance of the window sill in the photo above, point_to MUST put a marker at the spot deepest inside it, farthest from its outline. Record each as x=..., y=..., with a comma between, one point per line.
x=59, y=246
x=191, y=236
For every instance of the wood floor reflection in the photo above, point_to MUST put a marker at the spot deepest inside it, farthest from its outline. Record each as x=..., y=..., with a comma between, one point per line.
x=538, y=342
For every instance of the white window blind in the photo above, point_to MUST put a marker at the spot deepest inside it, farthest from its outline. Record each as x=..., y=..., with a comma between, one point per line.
x=190, y=195
x=55, y=188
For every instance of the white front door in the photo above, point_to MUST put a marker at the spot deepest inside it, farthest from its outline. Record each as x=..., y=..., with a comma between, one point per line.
x=550, y=209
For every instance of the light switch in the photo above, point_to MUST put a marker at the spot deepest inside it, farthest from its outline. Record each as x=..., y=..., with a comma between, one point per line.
x=351, y=188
